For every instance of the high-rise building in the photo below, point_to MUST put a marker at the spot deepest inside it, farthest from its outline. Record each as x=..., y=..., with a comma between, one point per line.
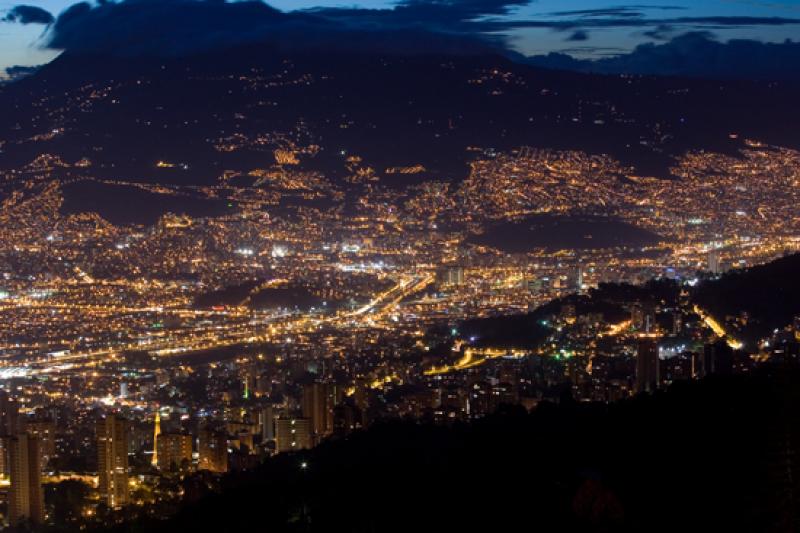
x=478, y=399
x=213, y=450
x=714, y=262
x=9, y=414
x=647, y=374
x=453, y=404
x=9, y=427
x=4, y=460
x=45, y=431
x=319, y=399
x=453, y=275
x=174, y=450
x=267, y=422
x=643, y=318
x=717, y=359
x=25, y=497
x=112, y=460
x=156, y=433
x=293, y=434
x=677, y=322
x=361, y=394
x=347, y=418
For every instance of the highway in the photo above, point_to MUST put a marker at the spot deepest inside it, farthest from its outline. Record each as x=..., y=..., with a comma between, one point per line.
x=260, y=329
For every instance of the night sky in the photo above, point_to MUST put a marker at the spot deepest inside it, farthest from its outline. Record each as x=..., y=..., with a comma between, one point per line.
x=580, y=28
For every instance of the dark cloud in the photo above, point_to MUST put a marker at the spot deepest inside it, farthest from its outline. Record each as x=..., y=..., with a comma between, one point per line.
x=179, y=27
x=694, y=54
x=619, y=11
x=170, y=27
x=578, y=35
x=17, y=72
x=639, y=22
x=176, y=27
x=461, y=9
x=467, y=17
x=662, y=32
x=28, y=15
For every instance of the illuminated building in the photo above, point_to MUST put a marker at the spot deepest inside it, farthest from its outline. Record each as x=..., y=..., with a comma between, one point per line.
x=453, y=404
x=174, y=451
x=714, y=262
x=452, y=276
x=479, y=399
x=9, y=421
x=112, y=460
x=4, y=463
x=45, y=431
x=361, y=394
x=346, y=419
x=319, y=399
x=647, y=371
x=568, y=313
x=213, y=450
x=643, y=318
x=293, y=434
x=502, y=394
x=9, y=414
x=267, y=422
x=677, y=322
x=25, y=498
x=156, y=433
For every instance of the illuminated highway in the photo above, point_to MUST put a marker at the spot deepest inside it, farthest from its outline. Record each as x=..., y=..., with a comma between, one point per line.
x=717, y=328
x=474, y=357
x=261, y=328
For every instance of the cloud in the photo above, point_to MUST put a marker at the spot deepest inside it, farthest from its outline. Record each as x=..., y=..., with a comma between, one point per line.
x=17, y=72
x=578, y=35
x=564, y=24
x=181, y=27
x=694, y=54
x=620, y=11
x=28, y=15
x=661, y=32
x=176, y=27
x=461, y=9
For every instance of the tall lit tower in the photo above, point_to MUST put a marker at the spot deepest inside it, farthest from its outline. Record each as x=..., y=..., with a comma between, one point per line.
x=647, y=371
x=156, y=433
x=112, y=460
x=25, y=498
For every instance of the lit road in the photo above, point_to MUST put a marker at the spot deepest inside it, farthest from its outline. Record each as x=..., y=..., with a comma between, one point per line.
x=717, y=328
x=475, y=357
x=260, y=328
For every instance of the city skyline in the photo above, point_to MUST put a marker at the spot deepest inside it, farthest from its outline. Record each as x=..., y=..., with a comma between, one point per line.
x=390, y=268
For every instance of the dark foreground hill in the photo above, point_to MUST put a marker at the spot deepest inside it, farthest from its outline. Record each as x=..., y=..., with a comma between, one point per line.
x=718, y=455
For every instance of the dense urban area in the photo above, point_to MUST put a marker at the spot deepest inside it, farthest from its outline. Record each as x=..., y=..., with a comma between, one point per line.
x=159, y=333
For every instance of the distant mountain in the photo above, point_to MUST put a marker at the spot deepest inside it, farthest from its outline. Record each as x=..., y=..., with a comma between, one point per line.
x=228, y=110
